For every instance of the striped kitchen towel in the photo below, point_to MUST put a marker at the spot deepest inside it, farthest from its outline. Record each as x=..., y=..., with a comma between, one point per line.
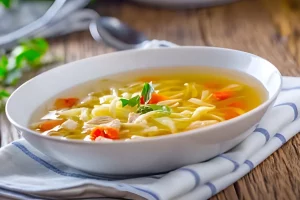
x=26, y=173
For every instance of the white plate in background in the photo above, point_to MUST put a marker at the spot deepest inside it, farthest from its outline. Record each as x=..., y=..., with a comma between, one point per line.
x=185, y=3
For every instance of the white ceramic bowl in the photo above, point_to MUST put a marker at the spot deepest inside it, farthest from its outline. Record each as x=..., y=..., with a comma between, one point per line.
x=153, y=155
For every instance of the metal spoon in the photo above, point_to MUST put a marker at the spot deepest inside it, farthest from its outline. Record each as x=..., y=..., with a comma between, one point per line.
x=119, y=35
x=116, y=34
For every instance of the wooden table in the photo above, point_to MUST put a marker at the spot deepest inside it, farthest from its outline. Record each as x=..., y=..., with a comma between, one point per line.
x=268, y=28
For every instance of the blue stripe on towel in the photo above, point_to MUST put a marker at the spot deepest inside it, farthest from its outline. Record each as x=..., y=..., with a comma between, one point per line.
x=236, y=165
x=250, y=164
x=292, y=105
x=280, y=137
x=194, y=173
x=264, y=132
x=212, y=188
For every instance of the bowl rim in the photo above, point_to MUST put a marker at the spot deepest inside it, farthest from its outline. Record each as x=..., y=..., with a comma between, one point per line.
x=202, y=130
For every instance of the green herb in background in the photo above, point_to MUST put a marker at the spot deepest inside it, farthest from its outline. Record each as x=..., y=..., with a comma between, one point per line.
x=28, y=55
x=3, y=95
x=6, y=3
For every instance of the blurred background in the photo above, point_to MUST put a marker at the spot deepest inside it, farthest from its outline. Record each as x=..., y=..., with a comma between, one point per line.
x=186, y=22
x=36, y=35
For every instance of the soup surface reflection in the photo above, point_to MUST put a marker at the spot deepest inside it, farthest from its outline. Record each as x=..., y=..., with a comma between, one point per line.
x=149, y=106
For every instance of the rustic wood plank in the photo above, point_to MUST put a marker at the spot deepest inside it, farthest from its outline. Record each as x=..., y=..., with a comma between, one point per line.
x=285, y=15
x=227, y=194
x=180, y=26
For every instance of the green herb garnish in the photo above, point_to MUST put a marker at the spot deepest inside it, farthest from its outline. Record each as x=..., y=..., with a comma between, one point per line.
x=147, y=92
x=153, y=107
x=144, y=109
x=131, y=102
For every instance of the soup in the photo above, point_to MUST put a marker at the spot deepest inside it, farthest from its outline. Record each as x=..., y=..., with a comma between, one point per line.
x=149, y=106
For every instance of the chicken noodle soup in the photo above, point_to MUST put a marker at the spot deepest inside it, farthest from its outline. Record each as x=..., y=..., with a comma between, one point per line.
x=149, y=106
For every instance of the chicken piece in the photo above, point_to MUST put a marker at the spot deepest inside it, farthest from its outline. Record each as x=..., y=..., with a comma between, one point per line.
x=84, y=115
x=132, y=117
x=103, y=121
x=69, y=124
x=100, y=120
x=114, y=124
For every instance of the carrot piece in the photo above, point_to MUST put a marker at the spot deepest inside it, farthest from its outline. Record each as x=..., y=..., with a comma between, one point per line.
x=107, y=132
x=155, y=98
x=96, y=132
x=222, y=95
x=238, y=104
x=111, y=133
x=142, y=101
x=65, y=103
x=48, y=125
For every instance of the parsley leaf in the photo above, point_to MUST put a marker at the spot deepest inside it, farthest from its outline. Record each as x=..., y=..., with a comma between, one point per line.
x=144, y=109
x=147, y=92
x=124, y=102
x=153, y=107
x=131, y=102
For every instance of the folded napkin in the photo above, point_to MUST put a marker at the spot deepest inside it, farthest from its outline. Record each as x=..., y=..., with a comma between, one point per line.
x=26, y=173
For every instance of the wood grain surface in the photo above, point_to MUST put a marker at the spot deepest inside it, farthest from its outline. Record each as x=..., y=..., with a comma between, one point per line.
x=268, y=28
